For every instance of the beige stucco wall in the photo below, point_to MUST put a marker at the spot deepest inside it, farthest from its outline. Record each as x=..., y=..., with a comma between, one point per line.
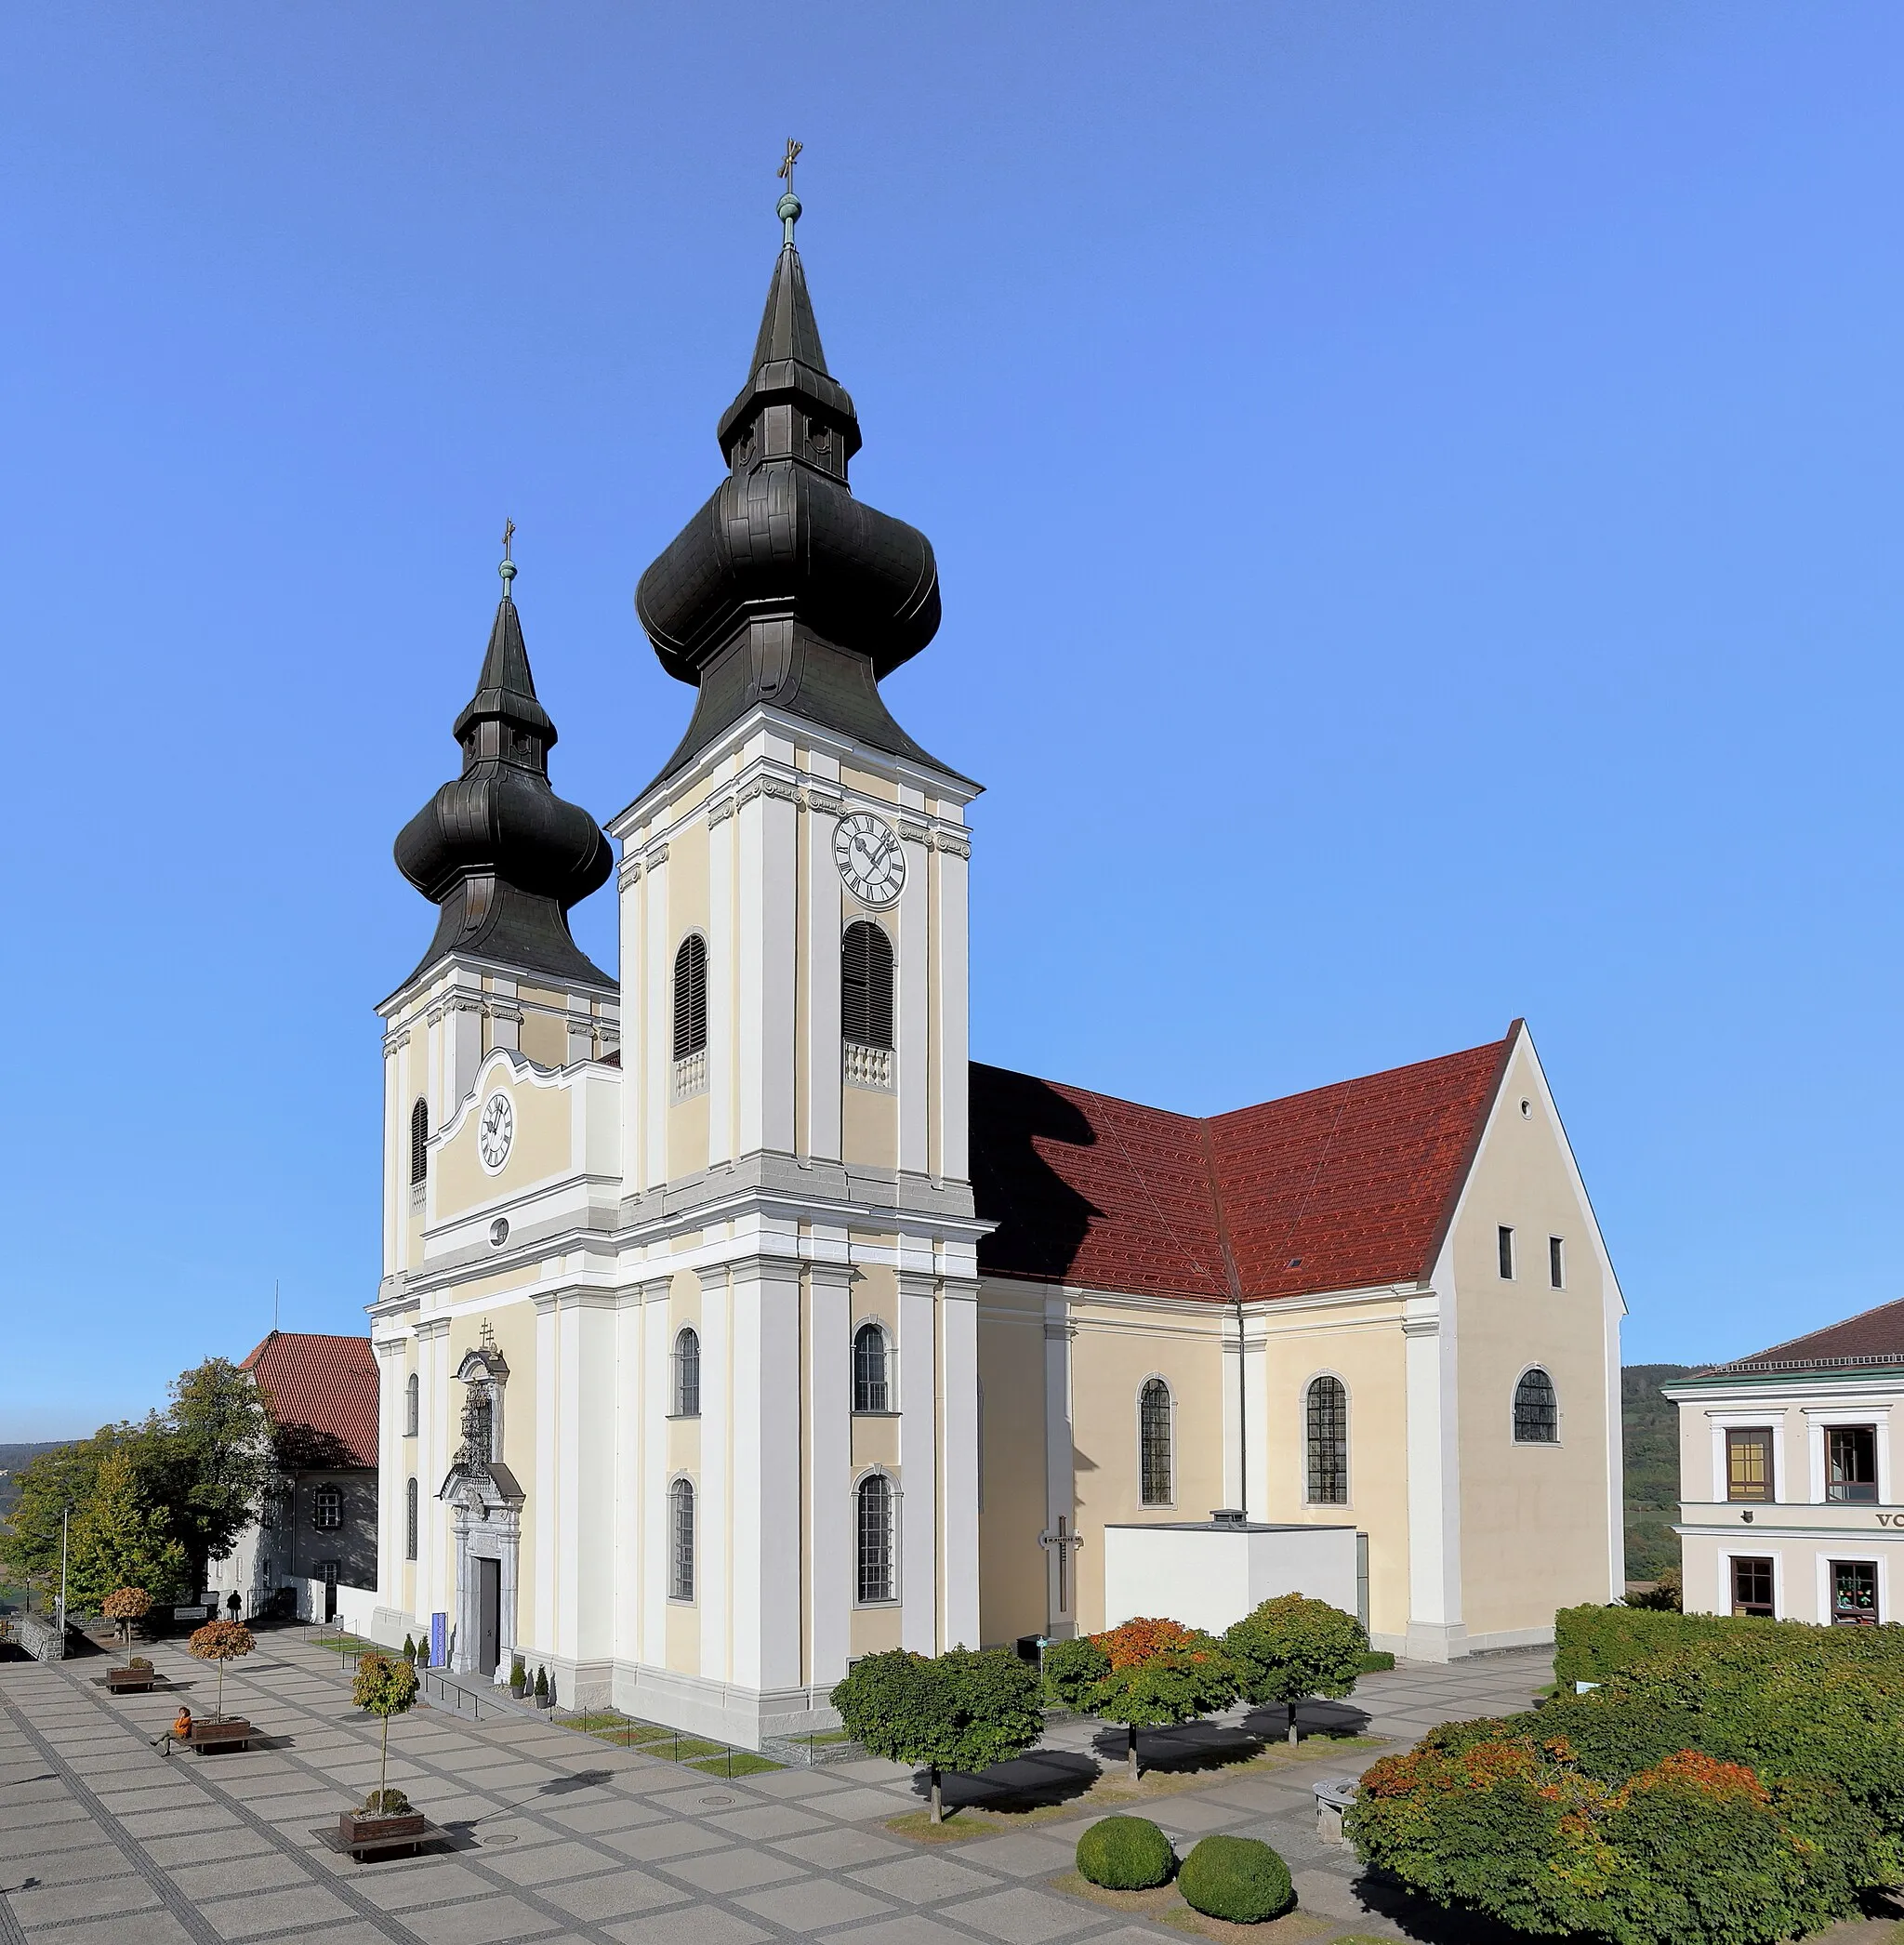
x=542, y=1144
x=1012, y=1465
x=1534, y=1518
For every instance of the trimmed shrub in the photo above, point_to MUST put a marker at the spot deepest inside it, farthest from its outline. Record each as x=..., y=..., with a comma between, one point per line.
x=1238, y=1878
x=1291, y=1647
x=1378, y=1660
x=409, y=1647
x=541, y=1683
x=1072, y=1668
x=1595, y=1644
x=1125, y=1854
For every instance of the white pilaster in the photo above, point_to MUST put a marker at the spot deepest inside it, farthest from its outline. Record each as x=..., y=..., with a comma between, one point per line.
x=953, y=1053
x=1061, y=1490
x=825, y=909
x=829, y=1480
x=723, y=999
x=912, y=1034
x=918, y=1450
x=652, y=1513
x=959, y=1624
x=545, y=1606
x=655, y=1068
x=766, y=960
x=1435, y=1629
x=392, y=1471
x=714, y=1501
x=764, y=1354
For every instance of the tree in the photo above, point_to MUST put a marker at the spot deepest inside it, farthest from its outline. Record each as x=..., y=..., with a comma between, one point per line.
x=122, y=1606
x=1290, y=1648
x=385, y=1687
x=1160, y=1672
x=222, y=1641
x=48, y=1483
x=216, y=1447
x=121, y=1539
x=964, y=1712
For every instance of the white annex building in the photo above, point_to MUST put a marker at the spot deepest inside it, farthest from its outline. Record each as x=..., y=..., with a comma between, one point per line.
x=735, y=1323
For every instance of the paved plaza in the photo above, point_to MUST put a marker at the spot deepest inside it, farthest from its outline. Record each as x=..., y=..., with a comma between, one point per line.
x=104, y=1840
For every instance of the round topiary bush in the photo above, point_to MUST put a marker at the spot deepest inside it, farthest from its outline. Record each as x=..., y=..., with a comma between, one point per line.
x=1238, y=1878
x=1126, y=1854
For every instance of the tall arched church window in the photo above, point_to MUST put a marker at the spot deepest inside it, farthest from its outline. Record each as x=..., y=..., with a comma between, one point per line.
x=873, y=1523
x=872, y=1386
x=687, y=1373
x=419, y=1142
x=410, y=1521
x=1154, y=1443
x=865, y=985
x=1326, y=1429
x=680, y=1540
x=413, y=1400
x=691, y=997
x=1536, y=1410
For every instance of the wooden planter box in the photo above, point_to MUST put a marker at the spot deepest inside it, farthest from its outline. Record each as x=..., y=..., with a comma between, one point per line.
x=354, y=1829
x=231, y=1732
x=130, y=1681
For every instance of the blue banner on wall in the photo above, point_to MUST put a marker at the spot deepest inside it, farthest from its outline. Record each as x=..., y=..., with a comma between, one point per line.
x=438, y=1639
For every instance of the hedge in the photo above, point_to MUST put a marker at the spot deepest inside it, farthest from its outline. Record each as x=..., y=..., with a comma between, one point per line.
x=1125, y=1854
x=1742, y=1782
x=1238, y=1878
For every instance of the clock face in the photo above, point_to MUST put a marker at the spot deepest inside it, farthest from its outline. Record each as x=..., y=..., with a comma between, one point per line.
x=868, y=851
x=495, y=1131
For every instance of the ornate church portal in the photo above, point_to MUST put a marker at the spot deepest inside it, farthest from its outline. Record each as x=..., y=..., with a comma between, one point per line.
x=486, y=1520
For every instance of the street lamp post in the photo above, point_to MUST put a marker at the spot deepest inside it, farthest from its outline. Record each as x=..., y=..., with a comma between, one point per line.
x=65, y=1515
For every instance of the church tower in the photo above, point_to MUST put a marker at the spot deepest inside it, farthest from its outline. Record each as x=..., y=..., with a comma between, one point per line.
x=794, y=1139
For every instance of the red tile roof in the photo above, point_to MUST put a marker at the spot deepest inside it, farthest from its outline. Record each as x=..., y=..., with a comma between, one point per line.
x=1338, y=1188
x=323, y=1392
x=1870, y=1337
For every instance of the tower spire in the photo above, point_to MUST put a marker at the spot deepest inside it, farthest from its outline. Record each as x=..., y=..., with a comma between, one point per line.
x=788, y=209
x=501, y=854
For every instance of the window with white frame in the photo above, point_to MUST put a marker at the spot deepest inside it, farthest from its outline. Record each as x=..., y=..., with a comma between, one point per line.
x=1851, y=1465
x=326, y=1509
x=1556, y=1261
x=872, y=1373
x=873, y=1526
x=680, y=1535
x=1326, y=1430
x=410, y=1509
x=1536, y=1410
x=687, y=1373
x=1503, y=1246
x=1155, y=1455
x=413, y=1402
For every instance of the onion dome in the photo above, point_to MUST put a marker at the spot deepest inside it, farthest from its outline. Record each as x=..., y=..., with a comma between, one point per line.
x=501, y=854
x=784, y=589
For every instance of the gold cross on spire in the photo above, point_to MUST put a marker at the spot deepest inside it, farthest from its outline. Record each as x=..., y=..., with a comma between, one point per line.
x=786, y=168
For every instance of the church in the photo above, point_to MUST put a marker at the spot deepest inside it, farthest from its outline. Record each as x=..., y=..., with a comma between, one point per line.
x=735, y=1323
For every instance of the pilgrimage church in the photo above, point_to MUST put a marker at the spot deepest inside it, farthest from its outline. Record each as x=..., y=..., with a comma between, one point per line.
x=735, y=1323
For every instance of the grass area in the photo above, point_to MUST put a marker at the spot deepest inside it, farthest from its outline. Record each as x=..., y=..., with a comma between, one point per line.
x=1112, y=1792
x=832, y=1736
x=625, y=1732
x=1165, y=1906
x=737, y=1762
x=341, y=1644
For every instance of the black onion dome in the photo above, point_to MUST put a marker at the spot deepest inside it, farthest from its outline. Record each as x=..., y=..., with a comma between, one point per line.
x=501, y=854
x=785, y=588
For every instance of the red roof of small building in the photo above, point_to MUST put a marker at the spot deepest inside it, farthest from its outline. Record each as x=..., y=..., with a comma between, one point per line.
x=1872, y=1337
x=322, y=1390
x=1340, y=1188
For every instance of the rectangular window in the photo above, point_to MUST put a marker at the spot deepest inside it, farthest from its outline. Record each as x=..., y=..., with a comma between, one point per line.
x=1556, y=1263
x=1504, y=1237
x=1854, y=1594
x=1851, y=1463
x=327, y=1509
x=1749, y=1465
x=1751, y=1588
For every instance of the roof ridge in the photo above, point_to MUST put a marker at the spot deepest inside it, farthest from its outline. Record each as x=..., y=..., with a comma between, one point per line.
x=1817, y=1331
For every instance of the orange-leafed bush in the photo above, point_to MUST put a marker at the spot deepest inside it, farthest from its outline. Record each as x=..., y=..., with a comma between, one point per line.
x=1136, y=1641
x=222, y=1641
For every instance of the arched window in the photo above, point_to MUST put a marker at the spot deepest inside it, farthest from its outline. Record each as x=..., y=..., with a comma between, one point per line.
x=871, y=1388
x=1536, y=1410
x=687, y=1374
x=411, y=1405
x=1325, y=1427
x=410, y=1521
x=419, y=1142
x=327, y=1508
x=680, y=1534
x=1154, y=1443
x=866, y=984
x=691, y=997
x=873, y=1506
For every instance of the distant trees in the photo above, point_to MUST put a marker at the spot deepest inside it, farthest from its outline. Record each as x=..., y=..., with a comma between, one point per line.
x=153, y=1503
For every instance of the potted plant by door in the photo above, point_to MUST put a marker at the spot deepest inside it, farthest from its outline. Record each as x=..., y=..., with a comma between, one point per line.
x=518, y=1677
x=384, y=1688
x=542, y=1698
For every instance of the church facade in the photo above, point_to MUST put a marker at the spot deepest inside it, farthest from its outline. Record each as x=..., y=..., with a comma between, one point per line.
x=734, y=1324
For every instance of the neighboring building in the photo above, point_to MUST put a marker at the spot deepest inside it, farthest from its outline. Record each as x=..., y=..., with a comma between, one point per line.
x=312, y=1550
x=733, y=1324
x=1789, y=1484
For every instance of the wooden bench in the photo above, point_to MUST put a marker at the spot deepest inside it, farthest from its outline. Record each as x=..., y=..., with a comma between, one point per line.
x=130, y=1681
x=231, y=1733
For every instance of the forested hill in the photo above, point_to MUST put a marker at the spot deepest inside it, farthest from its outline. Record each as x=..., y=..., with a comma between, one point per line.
x=12, y=1457
x=1651, y=1444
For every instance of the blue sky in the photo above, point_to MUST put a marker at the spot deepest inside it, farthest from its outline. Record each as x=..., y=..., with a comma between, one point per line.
x=1417, y=493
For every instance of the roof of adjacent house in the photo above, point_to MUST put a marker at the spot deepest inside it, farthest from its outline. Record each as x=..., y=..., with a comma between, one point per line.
x=323, y=1393
x=1872, y=1337
x=1339, y=1188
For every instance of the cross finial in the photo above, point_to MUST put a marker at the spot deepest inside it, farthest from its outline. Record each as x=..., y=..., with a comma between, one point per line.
x=788, y=209
x=508, y=569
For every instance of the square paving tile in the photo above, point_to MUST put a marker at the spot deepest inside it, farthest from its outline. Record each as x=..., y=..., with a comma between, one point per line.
x=155, y=1927
x=859, y=1805
x=485, y=1922
x=205, y=1847
x=101, y=1898
x=733, y=1870
x=766, y=1819
x=924, y=1880
x=621, y=1814
x=415, y=1883
x=269, y=1872
x=542, y=1863
x=1020, y=1916
x=834, y=1850
x=70, y=1867
x=618, y=1895
x=814, y=1903
x=659, y=1841
x=913, y=1928
x=701, y=1924
x=1023, y=1854
x=252, y=1911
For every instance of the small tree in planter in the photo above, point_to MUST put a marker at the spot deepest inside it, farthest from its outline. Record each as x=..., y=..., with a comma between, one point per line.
x=125, y=1606
x=541, y=1689
x=963, y=1711
x=222, y=1641
x=1290, y=1648
x=384, y=1688
x=1161, y=1673
x=519, y=1676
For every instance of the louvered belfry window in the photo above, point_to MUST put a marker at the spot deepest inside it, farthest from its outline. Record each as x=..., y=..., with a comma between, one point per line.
x=1154, y=1443
x=1327, y=1412
x=419, y=1142
x=691, y=997
x=866, y=984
